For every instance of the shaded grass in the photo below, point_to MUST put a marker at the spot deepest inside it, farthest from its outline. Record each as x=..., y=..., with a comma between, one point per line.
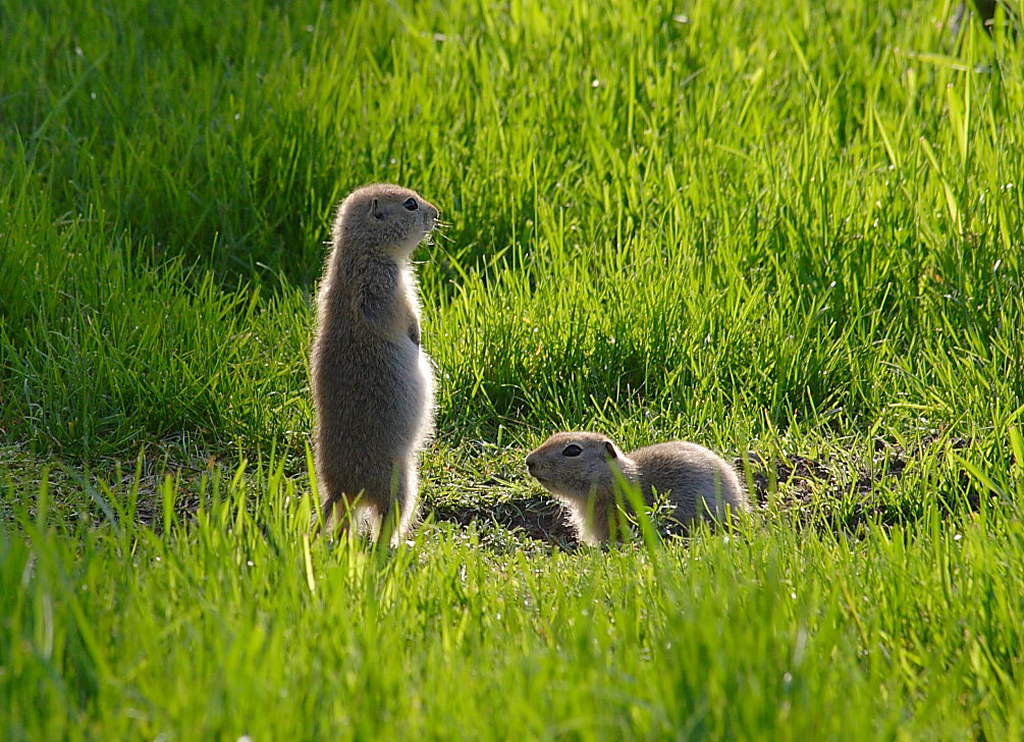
x=734, y=224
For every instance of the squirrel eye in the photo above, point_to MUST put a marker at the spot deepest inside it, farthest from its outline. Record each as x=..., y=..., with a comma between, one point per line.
x=572, y=450
x=410, y=204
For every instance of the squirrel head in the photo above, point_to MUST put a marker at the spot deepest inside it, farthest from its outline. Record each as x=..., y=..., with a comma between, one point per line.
x=575, y=464
x=384, y=217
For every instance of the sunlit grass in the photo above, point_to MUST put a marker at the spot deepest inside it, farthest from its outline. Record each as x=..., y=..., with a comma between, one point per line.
x=782, y=230
x=232, y=624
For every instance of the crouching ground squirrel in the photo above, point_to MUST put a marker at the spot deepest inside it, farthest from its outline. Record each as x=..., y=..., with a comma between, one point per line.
x=580, y=469
x=372, y=383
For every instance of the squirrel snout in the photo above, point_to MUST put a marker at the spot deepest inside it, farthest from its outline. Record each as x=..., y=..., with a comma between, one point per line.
x=530, y=463
x=430, y=216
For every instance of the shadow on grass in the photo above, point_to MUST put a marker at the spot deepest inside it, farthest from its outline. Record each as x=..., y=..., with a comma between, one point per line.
x=539, y=518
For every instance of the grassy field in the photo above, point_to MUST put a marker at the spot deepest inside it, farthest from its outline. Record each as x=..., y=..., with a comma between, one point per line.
x=791, y=232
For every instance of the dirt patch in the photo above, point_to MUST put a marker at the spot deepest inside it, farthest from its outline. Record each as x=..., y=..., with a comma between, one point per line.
x=792, y=482
x=539, y=518
x=797, y=476
x=858, y=482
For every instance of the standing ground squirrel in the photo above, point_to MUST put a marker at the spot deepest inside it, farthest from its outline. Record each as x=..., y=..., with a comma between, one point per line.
x=580, y=469
x=372, y=384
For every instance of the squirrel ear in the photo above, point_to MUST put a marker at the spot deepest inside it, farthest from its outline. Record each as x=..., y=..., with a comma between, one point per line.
x=375, y=209
x=609, y=448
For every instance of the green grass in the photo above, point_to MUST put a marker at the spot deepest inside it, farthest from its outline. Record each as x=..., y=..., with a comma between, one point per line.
x=790, y=229
x=226, y=626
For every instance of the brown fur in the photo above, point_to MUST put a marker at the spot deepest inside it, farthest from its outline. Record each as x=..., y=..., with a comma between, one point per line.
x=697, y=481
x=372, y=384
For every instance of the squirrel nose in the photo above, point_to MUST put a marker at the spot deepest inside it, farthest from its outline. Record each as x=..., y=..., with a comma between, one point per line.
x=530, y=463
